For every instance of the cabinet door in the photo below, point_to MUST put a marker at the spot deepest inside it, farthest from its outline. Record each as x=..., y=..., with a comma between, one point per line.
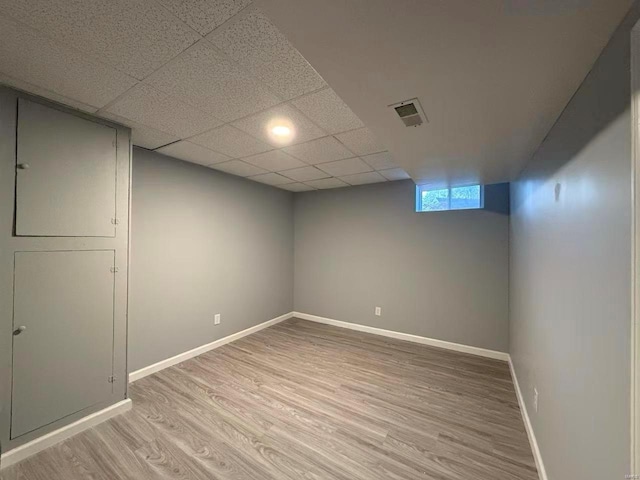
x=65, y=174
x=63, y=335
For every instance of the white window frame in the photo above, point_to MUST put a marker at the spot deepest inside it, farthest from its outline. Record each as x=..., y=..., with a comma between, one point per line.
x=421, y=188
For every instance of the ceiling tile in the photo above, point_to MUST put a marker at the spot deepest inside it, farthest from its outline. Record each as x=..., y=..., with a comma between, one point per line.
x=259, y=125
x=256, y=44
x=327, y=183
x=304, y=174
x=380, y=161
x=328, y=111
x=363, y=178
x=193, y=153
x=345, y=167
x=205, y=79
x=142, y=136
x=43, y=92
x=33, y=58
x=231, y=141
x=296, y=187
x=151, y=107
x=394, y=174
x=322, y=150
x=360, y=142
x=238, y=167
x=275, y=160
x=270, y=179
x=205, y=15
x=146, y=137
x=134, y=36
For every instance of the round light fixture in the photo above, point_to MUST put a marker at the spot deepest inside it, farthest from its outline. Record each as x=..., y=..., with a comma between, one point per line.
x=281, y=131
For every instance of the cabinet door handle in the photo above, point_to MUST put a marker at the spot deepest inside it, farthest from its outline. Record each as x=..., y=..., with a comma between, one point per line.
x=23, y=166
x=19, y=330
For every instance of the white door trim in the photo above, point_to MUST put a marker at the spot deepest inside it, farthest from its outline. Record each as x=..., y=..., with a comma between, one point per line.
x=635, y=254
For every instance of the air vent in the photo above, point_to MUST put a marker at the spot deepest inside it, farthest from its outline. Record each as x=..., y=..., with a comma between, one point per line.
x=410, y=112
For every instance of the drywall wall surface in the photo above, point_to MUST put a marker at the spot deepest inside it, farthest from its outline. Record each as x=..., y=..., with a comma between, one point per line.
x=203, y=242
x=442, y=275
x=571, y=276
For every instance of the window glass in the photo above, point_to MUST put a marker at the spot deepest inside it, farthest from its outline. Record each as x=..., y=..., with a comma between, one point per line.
x=455, y=198
x=465, y=197
x=435, y=200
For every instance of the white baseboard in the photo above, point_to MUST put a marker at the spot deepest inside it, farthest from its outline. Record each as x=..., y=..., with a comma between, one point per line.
x=483, y=352
x=542, y=473
x=34, y=446
x=156, y=367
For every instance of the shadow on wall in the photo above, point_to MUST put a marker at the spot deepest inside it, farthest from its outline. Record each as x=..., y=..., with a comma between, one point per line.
x=591, y=122
x=496, y=198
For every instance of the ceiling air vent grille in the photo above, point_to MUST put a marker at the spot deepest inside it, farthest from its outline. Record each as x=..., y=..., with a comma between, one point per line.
x=410, y=112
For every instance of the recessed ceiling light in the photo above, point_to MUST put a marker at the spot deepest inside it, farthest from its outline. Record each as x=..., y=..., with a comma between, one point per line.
x=281, y=131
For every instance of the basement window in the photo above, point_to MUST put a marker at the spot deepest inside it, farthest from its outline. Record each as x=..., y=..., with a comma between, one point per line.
x=452, y=198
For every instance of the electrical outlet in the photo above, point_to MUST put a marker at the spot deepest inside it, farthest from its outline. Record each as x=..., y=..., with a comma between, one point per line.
x=535, y=399
x=216, y=319
x=378, y=311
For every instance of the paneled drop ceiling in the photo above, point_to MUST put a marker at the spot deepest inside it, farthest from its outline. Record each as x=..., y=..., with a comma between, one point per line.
x=492, y=76
x=199, y=80
x=205, y=80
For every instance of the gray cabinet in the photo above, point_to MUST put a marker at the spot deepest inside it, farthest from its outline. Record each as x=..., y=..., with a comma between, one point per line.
x=58, y=247
x=62, y=335
x=66, y=174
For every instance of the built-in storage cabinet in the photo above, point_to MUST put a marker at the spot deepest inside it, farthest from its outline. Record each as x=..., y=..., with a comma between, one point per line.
x=65, y=174
x=62, y=335
x=64, y=238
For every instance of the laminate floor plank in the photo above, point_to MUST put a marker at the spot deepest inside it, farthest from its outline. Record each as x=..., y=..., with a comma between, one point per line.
x=302, y=400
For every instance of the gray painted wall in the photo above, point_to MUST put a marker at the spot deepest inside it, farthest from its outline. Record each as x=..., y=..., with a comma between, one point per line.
x=442, y=275
x=570, y=276
x=203, y=242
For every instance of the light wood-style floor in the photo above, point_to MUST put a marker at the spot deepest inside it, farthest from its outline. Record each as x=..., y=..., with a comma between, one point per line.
x=302, y=400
